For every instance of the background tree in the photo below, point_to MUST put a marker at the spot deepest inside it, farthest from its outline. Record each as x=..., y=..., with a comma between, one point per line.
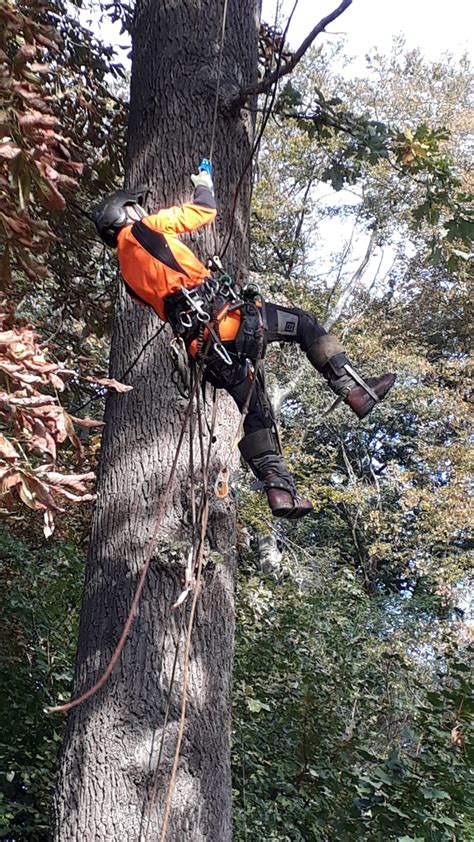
x=390, y=535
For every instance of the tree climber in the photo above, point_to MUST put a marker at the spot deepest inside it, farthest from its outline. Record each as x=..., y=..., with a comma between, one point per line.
x=222, y=329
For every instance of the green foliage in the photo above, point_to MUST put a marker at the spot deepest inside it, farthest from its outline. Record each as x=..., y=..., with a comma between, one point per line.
x=345, y=707
x=353, y=700
x=363, y=139
x=41, y=586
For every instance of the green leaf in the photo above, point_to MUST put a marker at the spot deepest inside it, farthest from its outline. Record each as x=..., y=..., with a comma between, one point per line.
x=429, y=792
x=445, y=820
x=255, y=706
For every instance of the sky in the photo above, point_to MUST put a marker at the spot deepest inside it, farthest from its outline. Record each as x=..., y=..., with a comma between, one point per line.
x=433, y=25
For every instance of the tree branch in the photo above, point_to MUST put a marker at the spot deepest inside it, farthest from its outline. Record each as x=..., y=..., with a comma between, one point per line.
x=339, y=306
x=267, y=82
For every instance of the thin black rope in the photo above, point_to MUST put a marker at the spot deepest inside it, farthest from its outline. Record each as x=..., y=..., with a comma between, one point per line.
x=263, y=125
x=218, y=86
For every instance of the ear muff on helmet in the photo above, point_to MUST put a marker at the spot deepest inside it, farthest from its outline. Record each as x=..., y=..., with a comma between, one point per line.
x=110, y=215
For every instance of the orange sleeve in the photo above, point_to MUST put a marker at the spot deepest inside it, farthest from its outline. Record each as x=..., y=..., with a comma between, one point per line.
x=181, y=220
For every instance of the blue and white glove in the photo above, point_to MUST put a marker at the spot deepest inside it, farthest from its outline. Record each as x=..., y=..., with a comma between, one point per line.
x=204, y=176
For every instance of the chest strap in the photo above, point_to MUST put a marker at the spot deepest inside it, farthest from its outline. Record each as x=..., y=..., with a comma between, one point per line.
x=155, y=244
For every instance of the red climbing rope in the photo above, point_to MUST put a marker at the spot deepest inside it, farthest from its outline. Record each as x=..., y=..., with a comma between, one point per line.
x=141, y=582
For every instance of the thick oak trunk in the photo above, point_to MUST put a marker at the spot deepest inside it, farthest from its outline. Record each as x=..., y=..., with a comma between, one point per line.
x=109, y=763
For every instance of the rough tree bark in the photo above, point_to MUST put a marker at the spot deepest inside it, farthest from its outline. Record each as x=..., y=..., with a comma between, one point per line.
x=108, y=767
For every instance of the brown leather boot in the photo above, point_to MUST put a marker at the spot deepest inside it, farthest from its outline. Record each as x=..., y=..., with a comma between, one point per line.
x=285, y=504
x=361, y=401
x=328, y=357
x=259, y=450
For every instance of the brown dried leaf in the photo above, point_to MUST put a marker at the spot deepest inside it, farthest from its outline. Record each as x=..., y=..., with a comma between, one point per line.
x=52, y=198
x=15, y=225
x=7, y=451
x=47, y=42
x=10, y=478
x=56, y=382
x=49, y=524
x=42, y=439
x=27, y=497
x=32, y=119
x=34, y=401
x=24, y=54
x=39, y=491
x=8, y=150
x=74, y=481
x=39, y=68
x=73, y=437
x=110, y=383
x=87, y=422
x=7, y=336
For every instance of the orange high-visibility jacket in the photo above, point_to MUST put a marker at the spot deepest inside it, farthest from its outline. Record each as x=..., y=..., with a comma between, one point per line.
x=153, y=279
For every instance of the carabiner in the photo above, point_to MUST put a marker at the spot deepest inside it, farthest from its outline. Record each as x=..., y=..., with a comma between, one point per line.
x=251, y=289
x=212, y=286
x=222, y=352
x=202, y=316
x=177, y=346
x=186, y=320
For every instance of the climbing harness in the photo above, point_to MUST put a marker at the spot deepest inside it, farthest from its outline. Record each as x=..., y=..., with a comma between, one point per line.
x=190, y=313
x=194, y=312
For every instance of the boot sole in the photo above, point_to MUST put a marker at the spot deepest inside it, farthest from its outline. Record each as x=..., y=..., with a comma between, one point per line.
x=292, y=514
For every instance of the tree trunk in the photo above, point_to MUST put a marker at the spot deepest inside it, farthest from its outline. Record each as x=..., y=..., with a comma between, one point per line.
x=108, y=774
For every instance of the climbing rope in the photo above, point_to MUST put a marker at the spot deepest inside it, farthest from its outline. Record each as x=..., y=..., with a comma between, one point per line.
x=197, y=523
x=219, y=73
x=198, y=563
x=199, y=527
x=141, y=582
x=266, y=114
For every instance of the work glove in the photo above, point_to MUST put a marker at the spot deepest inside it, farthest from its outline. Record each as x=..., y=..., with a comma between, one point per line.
x=204, y=177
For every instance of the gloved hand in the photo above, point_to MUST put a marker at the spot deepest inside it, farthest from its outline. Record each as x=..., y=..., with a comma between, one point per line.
x=204, y=176
x=202, y=179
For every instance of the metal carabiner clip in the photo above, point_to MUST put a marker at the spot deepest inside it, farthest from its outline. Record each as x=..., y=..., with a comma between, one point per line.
x=177, y=346
x=202, y=316
x=251, y=290
x=212, y=286
x=222, y=353
x=186, y=320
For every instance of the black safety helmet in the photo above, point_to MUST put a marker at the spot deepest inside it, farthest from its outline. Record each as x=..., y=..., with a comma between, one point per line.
x=111, y=214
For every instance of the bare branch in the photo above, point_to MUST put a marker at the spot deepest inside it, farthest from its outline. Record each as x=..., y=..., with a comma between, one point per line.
x=341, y=263
x=338, y=308
x=267, y=82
